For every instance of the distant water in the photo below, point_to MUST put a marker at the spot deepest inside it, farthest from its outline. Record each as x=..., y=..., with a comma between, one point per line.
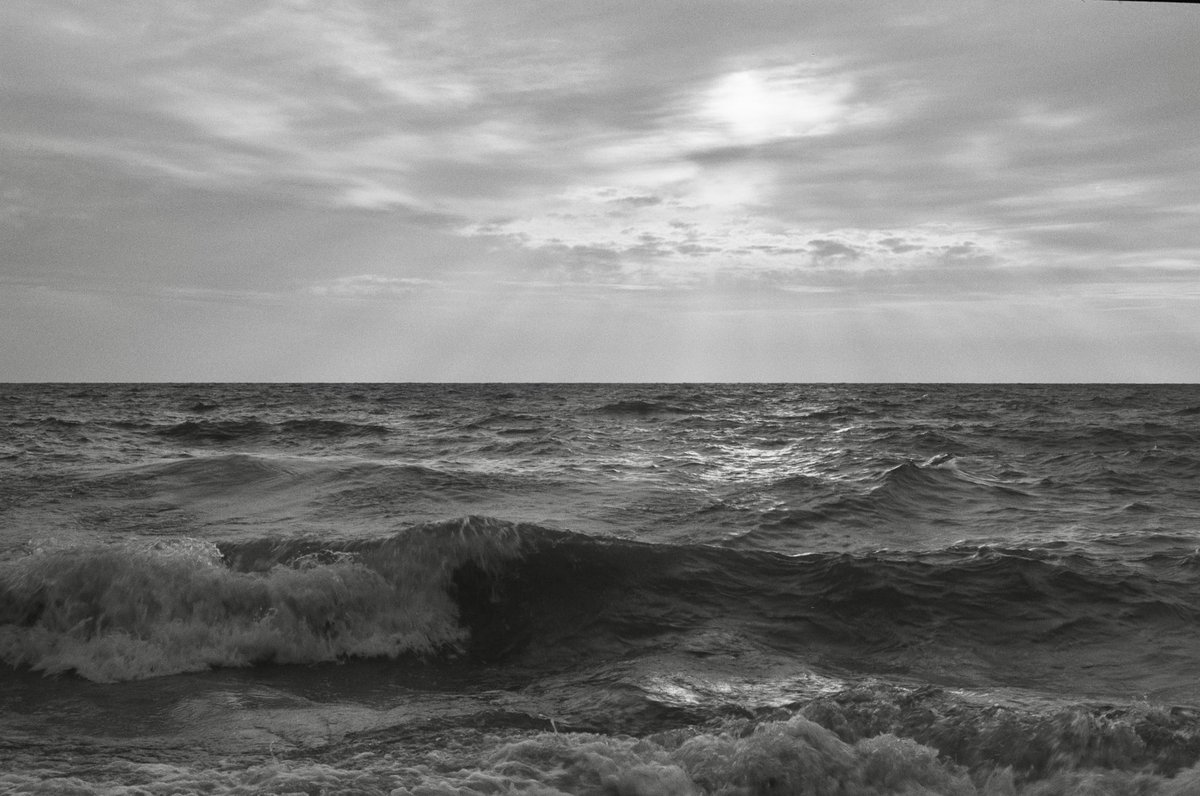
x=600, y=589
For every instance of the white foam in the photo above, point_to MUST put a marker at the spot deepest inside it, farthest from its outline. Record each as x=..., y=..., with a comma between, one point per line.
x=792, y=757
x=126, y=612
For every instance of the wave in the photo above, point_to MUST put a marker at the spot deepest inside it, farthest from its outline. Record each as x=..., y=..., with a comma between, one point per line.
x=863, y=742
x=131, y=611
x=310, y=489
x=216, y=474
x=232, y=470
x=644, y=408
x=506, y=423
x=877, y=740
x=252, y=429
x=938, y=480
x=498, y=593
x=49, y=422
x=1136, y=472
x=937, y=491
x=958, y=615
x=1125, y=437
x=840, y=412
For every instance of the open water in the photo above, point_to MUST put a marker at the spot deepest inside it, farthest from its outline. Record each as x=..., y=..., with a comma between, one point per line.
x=600, y=589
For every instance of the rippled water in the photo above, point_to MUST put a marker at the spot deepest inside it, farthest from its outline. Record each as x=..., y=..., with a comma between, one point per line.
x=600, y=588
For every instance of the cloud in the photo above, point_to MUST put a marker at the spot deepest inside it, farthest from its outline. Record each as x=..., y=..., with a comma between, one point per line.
x=825, y=251
x=373, y=196
x=668, y=244
x=364, y=286
x=435, y=110
x=337, y=104
x=798, y=156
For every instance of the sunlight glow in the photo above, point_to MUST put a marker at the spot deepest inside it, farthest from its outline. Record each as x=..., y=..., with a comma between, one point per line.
x=760, y=105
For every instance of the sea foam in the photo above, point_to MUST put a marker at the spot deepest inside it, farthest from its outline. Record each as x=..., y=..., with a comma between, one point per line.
x=129, y=611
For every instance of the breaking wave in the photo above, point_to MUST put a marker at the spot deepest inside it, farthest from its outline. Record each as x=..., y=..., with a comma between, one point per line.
x=495, y=592
x=131, y=611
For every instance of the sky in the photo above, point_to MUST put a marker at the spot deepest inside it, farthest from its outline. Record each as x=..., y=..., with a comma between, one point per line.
x=643, y=190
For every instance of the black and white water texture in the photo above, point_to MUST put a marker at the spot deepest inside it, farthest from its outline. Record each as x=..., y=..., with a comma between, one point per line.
x=600, y=589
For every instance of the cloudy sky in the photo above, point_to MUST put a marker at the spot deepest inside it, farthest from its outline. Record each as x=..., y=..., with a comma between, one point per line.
x=810, y=190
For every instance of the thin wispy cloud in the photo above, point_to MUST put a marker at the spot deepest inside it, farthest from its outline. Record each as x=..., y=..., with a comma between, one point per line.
x=367, y=286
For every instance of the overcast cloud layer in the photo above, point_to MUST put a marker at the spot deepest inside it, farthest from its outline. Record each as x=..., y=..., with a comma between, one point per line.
x=801, y=191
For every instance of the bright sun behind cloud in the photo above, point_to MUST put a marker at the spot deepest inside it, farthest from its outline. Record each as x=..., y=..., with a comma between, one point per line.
x=759, y=105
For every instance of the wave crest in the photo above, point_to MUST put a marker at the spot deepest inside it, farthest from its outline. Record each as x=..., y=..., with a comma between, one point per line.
x=250, y=429
x=124, y=612
x=506, y=593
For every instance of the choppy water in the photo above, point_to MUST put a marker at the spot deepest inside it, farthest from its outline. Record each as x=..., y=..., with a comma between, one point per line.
x=841, y=589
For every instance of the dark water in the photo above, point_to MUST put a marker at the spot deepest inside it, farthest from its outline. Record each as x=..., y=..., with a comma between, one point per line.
x=608, y=589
